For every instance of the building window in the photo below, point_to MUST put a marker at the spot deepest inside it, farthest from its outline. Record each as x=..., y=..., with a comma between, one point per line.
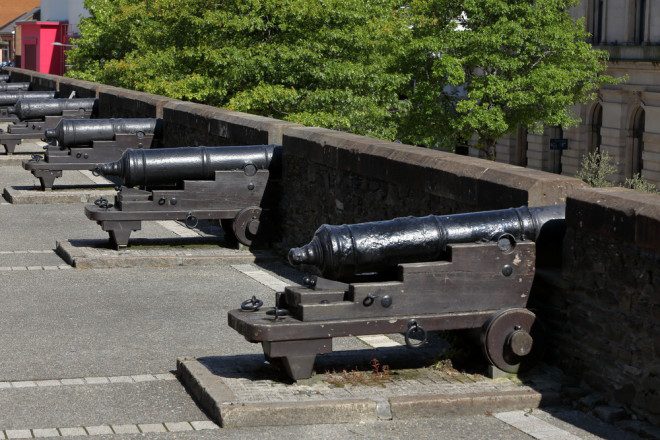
x=596, y=124
x=597, y=21
x=637, y=151
x=640, y=21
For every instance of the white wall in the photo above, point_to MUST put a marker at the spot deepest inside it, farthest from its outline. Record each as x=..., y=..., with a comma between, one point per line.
x=64, y=10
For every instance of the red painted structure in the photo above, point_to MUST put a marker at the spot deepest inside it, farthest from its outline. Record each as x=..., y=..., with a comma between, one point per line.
x=38, y=51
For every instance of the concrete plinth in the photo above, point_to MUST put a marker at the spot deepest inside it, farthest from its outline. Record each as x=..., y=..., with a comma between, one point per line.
x=96, y=254
x=30, y=195
x=240, y=391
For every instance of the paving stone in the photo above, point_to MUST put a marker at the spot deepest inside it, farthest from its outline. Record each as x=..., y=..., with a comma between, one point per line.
x=96, y=380
x=48, y=383
x=178, y=426
x=98, y=430
x=120, y=379
x=143, y=378
x=73, y=432
x=165, y=376
x=75, y=381
x=45, y=432
x=125, y=429
x=203, y=424
x=23, y=384
x=152, y=427
x=18, y=433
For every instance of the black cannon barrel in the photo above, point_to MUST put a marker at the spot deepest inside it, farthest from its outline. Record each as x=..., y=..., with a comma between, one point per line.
x=11, y=98
x=7, y=87
x=172, y=165
x=4, y=77
x=346, y=250
x=40, y=108
x=70, y=132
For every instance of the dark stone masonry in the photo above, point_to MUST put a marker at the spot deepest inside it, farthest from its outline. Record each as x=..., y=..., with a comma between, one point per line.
x=601, y=306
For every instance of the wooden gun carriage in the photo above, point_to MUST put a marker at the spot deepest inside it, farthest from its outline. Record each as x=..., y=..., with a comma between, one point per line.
x=231, y=184
x=411, y=276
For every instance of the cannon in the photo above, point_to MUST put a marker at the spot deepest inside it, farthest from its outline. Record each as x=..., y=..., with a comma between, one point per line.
x=9, y=99
x=232, y=184
x=40, y=115
x=8, y=87
x=81, y=144
x=410, y=275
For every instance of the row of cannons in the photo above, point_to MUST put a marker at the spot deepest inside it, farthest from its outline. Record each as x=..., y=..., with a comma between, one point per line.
x=411, y=275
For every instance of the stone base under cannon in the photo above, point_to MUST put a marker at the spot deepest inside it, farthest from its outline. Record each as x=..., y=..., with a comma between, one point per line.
x=479, y=286
x=15, y=134
x=233, y=198
x=58, y=159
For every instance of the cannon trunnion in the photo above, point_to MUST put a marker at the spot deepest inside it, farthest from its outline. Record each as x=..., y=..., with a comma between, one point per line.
x=81, y=144
x=39, y=115
x=233, y=184
x=482, y=282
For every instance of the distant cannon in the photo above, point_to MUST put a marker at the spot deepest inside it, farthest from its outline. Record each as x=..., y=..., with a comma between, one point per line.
x=410, y=275
x=81, y=144
x=40, y=115
x=9, y=99
x=38, y=109
x=232, y=184
x=9, y=87
x=12, y=97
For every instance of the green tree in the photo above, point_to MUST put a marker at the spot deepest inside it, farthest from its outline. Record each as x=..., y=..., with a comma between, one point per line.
x=483, y=67
x=330, y=63
x=428, y=72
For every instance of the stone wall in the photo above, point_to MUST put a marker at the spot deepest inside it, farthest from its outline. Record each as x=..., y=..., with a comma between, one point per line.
x=601, y=308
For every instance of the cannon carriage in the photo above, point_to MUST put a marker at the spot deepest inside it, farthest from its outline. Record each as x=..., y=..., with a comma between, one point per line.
x=409, y=276
x=81, y=144
x=40, y=115
x=234, y=185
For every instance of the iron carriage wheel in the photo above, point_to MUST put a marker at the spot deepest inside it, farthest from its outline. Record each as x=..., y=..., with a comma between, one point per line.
x=512, y=339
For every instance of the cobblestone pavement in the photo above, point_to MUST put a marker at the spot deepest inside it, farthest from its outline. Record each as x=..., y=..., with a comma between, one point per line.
x=90, y=352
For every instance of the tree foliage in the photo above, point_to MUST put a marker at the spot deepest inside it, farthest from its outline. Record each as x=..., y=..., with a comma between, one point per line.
x=429, y=72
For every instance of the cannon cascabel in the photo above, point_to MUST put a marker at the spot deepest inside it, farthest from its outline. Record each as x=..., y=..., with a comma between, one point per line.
x=340, y=252
x=72, y=132
x=172, y=165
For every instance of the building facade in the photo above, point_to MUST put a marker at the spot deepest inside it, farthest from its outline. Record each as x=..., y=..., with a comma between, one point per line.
x=43, y=42
x=625, y=120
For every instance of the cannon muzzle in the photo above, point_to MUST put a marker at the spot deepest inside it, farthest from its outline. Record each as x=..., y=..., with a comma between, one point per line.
x=343, y=251
x=165, y=166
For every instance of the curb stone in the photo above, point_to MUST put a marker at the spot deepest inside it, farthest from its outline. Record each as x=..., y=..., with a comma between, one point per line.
x=93, y=254
x=34, y=196
x=224, y=407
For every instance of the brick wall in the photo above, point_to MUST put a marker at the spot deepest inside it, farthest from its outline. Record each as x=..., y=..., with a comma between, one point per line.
x=601, y=308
